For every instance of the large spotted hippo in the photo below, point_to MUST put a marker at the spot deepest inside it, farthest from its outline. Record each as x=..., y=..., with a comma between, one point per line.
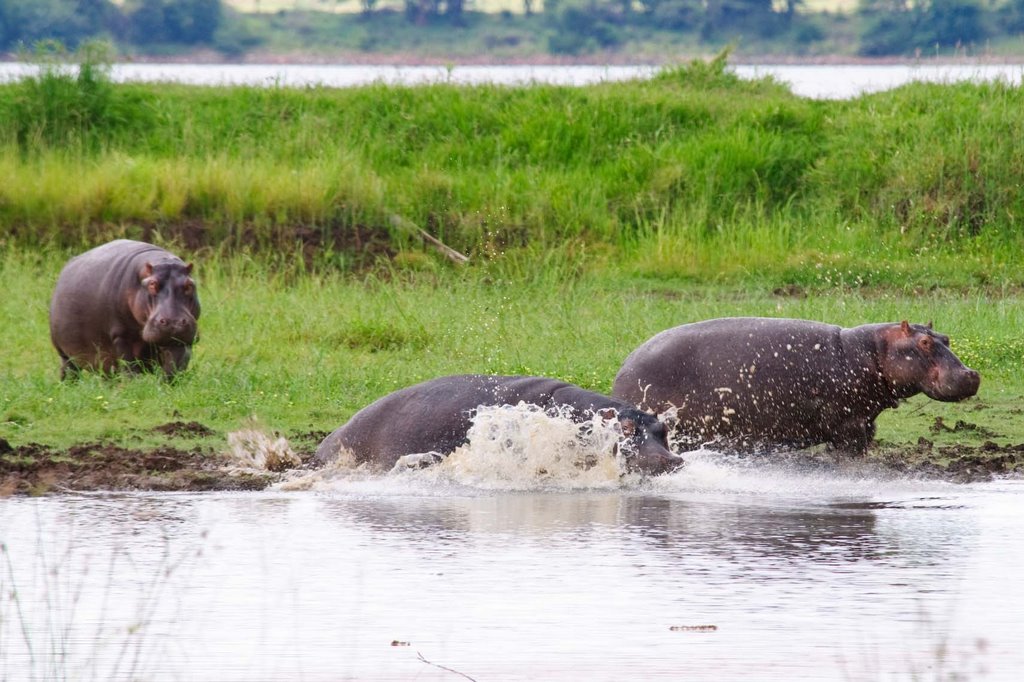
x=751, y=382
x=435, y=417
x=124, y=304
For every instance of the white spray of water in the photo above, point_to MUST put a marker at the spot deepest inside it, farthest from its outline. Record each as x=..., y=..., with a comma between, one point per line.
x=524, y=447
x=797, y=476
x=511, y=447
x=253, y=449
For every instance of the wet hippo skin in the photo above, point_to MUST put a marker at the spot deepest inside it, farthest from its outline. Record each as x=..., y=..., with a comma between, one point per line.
x=750, y=382
x=435, y=416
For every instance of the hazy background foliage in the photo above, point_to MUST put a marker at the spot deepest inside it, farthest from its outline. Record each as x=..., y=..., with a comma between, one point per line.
x=738, y=174
x=519, y=29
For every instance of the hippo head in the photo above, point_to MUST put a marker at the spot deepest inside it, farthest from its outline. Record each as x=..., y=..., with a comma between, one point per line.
x=917, y=359
x=167, y=305
x=645, y=443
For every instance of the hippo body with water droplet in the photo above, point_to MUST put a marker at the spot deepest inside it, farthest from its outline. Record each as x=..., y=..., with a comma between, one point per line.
x=435, y=417
x=124, y=304
x=752, y=383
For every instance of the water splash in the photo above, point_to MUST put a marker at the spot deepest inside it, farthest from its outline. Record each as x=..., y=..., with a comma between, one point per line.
x=511, y=447
x=524, y=447
x=252, y=449
x=799, y=476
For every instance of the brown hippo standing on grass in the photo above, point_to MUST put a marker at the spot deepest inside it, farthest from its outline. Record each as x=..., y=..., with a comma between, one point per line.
x=751, y=382
x=435, y=417
x=125, y=303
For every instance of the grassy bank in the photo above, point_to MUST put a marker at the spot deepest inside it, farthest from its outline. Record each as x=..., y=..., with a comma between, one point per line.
x=300, y=353
x=706, y=175
x=593, y=217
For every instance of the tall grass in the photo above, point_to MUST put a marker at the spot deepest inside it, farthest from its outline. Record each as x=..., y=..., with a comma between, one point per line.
x=694, y=155
x=70, y=103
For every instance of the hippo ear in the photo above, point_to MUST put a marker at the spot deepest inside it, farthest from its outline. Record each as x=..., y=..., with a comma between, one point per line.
x=188, y=268
x=628, y=427
x=146, y=271
x=905, y=328
x=607, y=413
x=929, y=325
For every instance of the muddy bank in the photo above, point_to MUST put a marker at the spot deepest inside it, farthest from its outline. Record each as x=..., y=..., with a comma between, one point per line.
x=35, y=469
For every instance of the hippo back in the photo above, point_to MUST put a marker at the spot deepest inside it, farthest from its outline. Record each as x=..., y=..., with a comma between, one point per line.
x=725, y=355
x=434, y=416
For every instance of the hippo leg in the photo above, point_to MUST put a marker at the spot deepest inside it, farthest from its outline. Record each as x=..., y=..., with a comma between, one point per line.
x=417, y=461
x=174, y=359
x=68, y=369
x=129, y=355
x=854, y=436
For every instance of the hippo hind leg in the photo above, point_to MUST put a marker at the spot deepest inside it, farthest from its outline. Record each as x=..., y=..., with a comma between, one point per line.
x=420, y=460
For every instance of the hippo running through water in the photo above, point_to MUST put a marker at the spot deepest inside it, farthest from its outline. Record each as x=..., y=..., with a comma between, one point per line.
x=435, y=416
x=125, y=303
x=750, y=382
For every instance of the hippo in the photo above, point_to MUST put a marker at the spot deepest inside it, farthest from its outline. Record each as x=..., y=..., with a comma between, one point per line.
x=125, y=304
x=751, y=383
x=433, y=418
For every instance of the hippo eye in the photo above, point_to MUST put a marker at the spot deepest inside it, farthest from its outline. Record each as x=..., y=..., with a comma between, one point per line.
x=926, y=343
x=188, y=289
x=153, y=286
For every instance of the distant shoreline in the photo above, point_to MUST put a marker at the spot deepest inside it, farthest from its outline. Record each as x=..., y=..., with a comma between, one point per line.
x=599, y=59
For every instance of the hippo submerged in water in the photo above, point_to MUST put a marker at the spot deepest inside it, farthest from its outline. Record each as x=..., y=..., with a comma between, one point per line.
x=125, y=303
x=755, y=382
x=435, y=417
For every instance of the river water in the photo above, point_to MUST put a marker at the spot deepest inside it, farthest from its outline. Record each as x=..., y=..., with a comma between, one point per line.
x=729, y=569
x=817, y=81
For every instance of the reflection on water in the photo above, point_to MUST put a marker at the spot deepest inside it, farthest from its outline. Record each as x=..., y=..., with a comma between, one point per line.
x=805, y=576
x=818, y=81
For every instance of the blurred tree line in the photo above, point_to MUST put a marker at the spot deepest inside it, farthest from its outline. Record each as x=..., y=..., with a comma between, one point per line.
x=140, y=22
x=883, y=27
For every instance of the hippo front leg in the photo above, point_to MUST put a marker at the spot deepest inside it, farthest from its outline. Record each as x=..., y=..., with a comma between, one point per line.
x=854, y=436
x=68, y=369
x=174, y=359
x=129, y=354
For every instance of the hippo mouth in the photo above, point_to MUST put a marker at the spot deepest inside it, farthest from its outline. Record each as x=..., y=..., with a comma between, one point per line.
x=657, y=462
x=952, y=388
x=179, y=335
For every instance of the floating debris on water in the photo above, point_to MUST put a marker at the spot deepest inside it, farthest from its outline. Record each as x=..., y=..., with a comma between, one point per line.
x=693, y=628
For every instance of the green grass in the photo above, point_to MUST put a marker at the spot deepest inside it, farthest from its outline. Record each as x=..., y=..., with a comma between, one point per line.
x=694, y=159
x=594, y=217
x=300, y=352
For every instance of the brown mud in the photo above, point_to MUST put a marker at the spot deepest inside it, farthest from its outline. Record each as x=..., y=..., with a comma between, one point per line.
x=363, y=243
x=35, y=469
